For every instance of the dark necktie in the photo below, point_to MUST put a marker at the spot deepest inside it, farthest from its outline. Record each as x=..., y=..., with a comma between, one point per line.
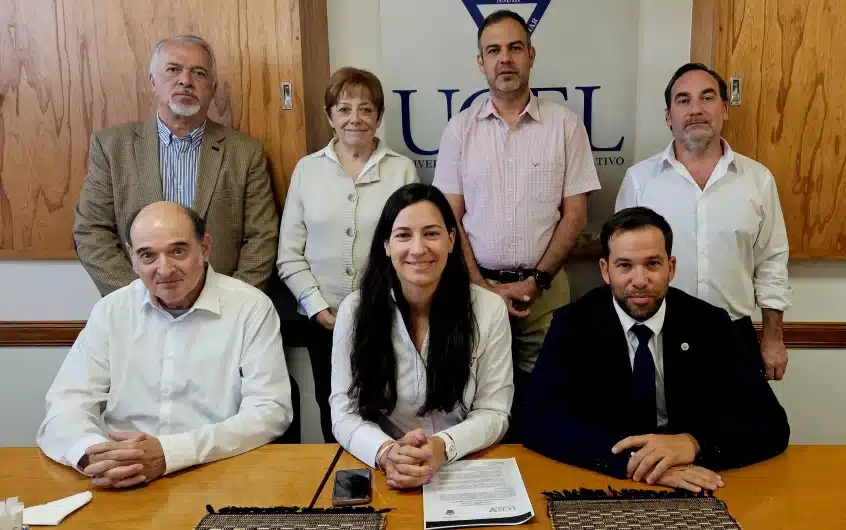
x=643, y=383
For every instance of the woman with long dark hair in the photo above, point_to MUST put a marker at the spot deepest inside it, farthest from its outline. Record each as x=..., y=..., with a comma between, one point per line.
x=421, y=361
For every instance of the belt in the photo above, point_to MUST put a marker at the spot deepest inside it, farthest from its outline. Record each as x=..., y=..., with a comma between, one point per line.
x=507, y=275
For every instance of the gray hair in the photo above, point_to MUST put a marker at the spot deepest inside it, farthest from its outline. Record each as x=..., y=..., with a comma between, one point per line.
x=193, y=39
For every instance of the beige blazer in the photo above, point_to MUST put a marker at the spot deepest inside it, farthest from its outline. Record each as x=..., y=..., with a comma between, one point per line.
x=233, y=194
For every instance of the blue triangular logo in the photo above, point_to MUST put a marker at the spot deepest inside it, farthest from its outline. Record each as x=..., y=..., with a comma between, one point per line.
x=533, y=20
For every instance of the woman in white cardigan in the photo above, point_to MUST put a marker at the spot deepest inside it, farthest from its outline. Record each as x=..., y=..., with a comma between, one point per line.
x=333, y=202
x=421, y=365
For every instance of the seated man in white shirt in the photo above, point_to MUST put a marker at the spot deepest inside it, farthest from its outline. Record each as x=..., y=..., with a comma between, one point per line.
x=731, y=243
x=182, y=366
x=421, y=361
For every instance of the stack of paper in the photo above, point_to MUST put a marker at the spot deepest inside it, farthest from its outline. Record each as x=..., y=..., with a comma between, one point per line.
x=476, y=493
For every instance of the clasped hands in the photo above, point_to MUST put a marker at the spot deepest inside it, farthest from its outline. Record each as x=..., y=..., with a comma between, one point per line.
x=131, y=458
x=667, y=460
x=518, y=296
x=413, y=460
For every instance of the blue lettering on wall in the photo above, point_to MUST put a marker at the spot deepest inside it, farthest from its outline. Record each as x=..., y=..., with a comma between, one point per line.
x=405, y=113
x=588, y=92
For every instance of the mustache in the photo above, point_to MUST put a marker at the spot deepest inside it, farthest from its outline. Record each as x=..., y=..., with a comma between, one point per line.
x=696, y=121
x=638, y=294
x=184, y=90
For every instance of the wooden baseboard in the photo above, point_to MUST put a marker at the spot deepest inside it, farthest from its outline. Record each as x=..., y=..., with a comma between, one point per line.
x=39, y=333
x=64, y=332
x=811, y=335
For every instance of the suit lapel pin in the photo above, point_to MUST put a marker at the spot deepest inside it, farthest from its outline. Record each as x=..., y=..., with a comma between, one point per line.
x=685, y=346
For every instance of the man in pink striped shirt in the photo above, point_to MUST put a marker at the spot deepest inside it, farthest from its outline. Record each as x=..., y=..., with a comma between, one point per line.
x=517, y=171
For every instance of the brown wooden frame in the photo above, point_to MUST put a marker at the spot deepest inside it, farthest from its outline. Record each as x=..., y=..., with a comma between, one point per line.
x=812, y=335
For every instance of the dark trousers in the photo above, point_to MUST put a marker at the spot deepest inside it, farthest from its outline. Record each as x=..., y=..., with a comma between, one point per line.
x=319, y=343
x=749, y=339
x=292, y=435
x=521, y=385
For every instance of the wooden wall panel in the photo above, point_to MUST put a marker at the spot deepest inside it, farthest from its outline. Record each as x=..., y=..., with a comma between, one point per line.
x=270, y=34
x=789, y=54
x=71, y=67
x=703, y=33
x=314, y=21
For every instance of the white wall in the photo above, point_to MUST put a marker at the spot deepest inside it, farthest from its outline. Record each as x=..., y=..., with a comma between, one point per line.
x=663, y=46
x=812, y=392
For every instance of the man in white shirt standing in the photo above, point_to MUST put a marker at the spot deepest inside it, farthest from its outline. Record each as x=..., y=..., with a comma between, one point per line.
x=731, y=242
x=181, y=367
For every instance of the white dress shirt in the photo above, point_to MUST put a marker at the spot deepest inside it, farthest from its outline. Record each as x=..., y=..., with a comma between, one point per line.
x=209, y=384
x=329, y=221
x=488, y=393
x=729, y=239
x=656, y=346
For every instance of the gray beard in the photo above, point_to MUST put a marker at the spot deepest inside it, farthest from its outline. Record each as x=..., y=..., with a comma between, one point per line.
x=698, y=143
x=186, y=111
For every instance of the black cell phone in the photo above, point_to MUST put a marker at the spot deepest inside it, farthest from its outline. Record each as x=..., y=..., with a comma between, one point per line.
x=352, y=486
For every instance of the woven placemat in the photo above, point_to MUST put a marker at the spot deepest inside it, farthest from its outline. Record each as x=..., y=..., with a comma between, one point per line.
x=293, y=518
x=636, y=510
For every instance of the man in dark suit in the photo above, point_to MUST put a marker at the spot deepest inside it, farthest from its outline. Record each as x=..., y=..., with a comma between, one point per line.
x=637, y=379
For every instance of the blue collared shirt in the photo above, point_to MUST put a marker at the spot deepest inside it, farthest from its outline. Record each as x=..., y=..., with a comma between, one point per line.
x=179, y=160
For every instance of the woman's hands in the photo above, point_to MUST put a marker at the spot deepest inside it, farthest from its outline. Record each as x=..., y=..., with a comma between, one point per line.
x=413, y=460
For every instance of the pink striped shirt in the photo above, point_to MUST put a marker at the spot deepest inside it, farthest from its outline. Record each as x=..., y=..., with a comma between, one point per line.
x=513, y=179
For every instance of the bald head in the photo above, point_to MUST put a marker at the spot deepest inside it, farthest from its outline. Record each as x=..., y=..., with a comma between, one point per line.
x=165, y=213
x=169, y=249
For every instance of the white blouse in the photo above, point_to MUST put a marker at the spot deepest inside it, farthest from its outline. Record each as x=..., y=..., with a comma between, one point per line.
x=329, y=221
x=488, y=394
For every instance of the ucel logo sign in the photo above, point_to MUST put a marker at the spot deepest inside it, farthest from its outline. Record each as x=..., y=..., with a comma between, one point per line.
x=586, y=59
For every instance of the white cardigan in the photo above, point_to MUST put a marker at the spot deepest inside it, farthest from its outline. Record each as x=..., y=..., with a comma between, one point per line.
x=328, y=223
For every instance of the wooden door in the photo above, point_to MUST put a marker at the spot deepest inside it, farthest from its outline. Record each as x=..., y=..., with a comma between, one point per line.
x=69, y=68
x=789, y=55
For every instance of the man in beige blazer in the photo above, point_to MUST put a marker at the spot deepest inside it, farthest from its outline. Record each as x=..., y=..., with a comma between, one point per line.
x=178, y=155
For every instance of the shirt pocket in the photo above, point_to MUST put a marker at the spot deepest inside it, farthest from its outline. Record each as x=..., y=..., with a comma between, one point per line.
x=739, y=220
x=544, y=182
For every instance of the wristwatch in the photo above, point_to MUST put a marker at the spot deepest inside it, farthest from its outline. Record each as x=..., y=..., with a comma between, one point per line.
x=543, y=279
x=449, y=447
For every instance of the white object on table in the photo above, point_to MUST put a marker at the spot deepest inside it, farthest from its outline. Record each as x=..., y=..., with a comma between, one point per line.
x=11, y=514
x=52, y=513
x=477, y=493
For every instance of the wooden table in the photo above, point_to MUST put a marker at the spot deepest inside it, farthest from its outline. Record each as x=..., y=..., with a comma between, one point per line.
x=273, y=475
x=803, y=488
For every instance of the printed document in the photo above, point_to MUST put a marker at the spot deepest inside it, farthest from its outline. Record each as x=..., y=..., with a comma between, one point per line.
x=476, y=493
